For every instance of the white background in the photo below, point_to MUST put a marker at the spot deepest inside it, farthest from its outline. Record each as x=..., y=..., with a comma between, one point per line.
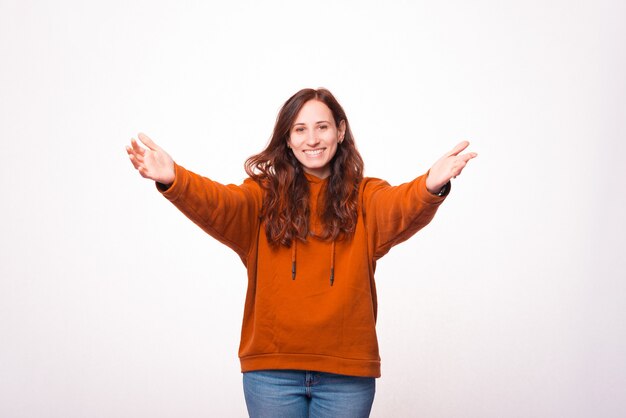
x=510, y=304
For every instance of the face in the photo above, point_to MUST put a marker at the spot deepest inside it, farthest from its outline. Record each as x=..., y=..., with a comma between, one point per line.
x=314, y=137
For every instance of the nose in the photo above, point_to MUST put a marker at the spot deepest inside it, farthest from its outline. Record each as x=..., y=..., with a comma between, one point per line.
x=312, y=138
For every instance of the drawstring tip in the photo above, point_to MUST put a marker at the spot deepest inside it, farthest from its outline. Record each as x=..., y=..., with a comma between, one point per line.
x=293, y=270
x=332, y=276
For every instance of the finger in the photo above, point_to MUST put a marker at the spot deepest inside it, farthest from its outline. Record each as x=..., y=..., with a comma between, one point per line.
x=136, y=147
x=147, y=141
x=134, y=155
x=145, y=173
x=460, y=147
x=459, y=168
x=134, y=161
x=466, y=157
x=460, y=162
x=130, y=151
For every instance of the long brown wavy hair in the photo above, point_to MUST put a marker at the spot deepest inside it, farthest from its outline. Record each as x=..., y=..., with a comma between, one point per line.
x=280, y=174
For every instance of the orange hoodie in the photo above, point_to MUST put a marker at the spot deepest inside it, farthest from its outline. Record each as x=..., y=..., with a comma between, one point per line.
x=323, y=318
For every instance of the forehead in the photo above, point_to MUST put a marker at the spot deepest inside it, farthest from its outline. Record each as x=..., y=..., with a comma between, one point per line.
x=314, y=111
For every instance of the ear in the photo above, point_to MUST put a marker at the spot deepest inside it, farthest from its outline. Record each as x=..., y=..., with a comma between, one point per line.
x=341, y=131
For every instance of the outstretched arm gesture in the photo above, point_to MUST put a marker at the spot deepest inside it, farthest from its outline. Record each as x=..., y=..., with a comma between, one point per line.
x=448, y=167
x=152, y=163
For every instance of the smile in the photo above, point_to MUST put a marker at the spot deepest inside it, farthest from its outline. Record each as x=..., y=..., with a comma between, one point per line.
x=313, y=152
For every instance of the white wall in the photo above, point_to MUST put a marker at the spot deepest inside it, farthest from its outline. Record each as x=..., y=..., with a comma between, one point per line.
x=510, y=304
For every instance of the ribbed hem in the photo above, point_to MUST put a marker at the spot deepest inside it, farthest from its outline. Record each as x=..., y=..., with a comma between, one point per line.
x=311, y=362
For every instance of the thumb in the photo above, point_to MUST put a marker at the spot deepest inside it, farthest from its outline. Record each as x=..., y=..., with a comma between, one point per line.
x=147, y=141
x=456, y=150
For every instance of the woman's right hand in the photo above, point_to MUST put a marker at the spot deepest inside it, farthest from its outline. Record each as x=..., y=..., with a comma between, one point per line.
x=152, y=163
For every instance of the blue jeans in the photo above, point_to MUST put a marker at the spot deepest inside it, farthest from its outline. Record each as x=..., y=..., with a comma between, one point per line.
x=303, y=394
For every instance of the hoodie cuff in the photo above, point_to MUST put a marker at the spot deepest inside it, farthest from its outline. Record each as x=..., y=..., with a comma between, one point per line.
x=172, y=191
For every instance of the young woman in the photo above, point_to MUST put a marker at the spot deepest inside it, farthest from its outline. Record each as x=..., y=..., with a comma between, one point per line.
x=309, y=228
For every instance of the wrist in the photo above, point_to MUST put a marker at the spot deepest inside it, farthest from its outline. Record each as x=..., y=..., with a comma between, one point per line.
x=443, y=190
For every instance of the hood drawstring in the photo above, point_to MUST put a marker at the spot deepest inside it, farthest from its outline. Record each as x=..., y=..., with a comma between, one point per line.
x=332, y=261
x=293, y=259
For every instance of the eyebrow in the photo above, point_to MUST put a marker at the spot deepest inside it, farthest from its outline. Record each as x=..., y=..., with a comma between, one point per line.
x=317, y=123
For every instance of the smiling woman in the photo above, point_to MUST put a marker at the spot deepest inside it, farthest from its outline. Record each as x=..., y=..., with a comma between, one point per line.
x=308, y=341
x=309, y=128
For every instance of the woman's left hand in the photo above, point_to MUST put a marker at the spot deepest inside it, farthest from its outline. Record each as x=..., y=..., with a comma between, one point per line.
x=448, y=167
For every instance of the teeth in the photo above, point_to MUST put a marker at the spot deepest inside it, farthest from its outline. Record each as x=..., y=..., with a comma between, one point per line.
x=313, y=152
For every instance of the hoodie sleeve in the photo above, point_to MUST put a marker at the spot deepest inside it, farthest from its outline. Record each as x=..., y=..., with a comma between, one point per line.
x=394, y=213
x=228, y=213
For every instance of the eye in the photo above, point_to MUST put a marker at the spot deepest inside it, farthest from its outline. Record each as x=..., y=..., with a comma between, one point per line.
x=299, y=129
x=323, y=127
